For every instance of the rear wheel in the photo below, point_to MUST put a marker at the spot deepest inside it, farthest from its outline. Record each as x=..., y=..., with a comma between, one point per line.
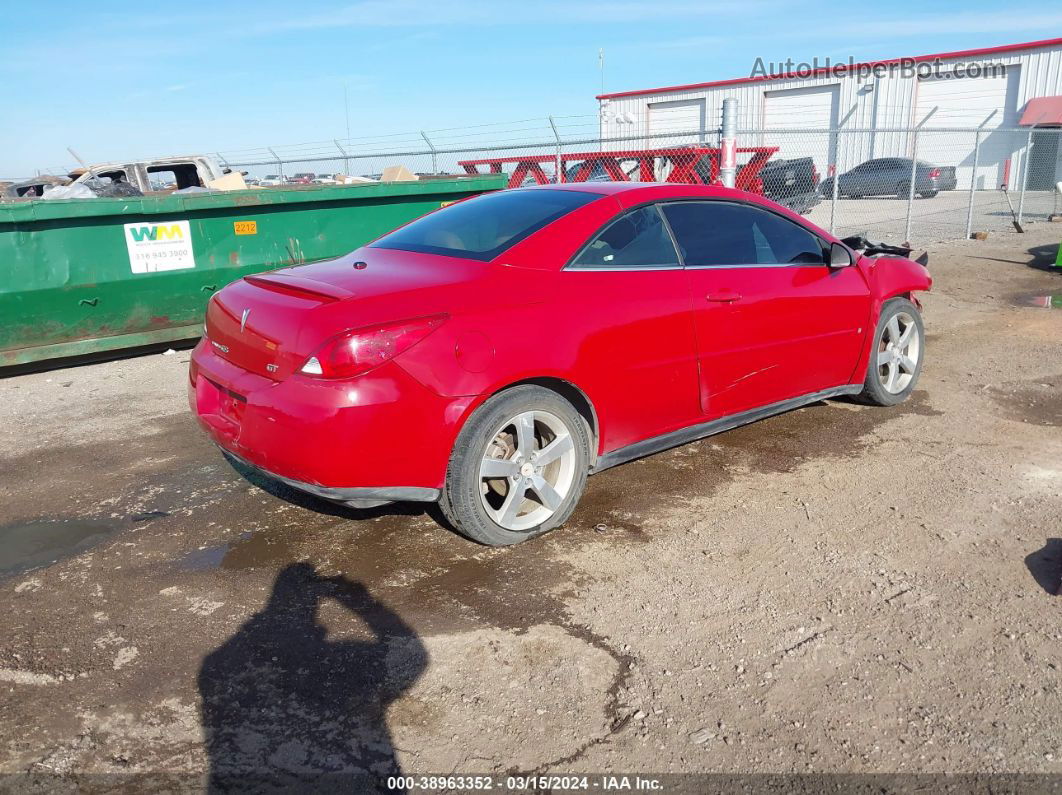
x=895, y=356
x=518, y=467
x=928, y=194
x=903, y=190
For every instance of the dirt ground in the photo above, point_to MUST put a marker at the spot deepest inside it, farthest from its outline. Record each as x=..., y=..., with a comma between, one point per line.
x=838, y=589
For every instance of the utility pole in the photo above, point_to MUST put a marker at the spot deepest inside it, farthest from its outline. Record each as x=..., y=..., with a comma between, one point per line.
x=601, y=66
x=346, y=110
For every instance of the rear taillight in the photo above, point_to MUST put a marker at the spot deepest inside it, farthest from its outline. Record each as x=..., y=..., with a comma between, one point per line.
x=362, y=349
x=934, y=173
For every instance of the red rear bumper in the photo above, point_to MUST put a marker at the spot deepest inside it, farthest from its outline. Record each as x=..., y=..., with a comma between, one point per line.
x=380, y=436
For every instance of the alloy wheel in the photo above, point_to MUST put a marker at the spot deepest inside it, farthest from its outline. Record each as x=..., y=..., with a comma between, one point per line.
x=527, y=470
x=899, y=350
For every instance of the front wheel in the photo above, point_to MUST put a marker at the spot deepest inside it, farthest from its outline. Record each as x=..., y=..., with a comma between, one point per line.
x=518, y=467
x=896, y=354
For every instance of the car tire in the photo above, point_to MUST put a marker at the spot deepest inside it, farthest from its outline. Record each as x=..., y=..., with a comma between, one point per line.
x=903, y=190
x=928, y=194
x=503, y=438
x=895, y=361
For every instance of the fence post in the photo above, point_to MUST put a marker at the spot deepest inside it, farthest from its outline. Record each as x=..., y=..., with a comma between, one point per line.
x=280, y=163
x=434, y=155
x=973, y=182
x=914, y=174
x=973, y=174
x=833, y=191
x=836, y=136
x=728, y=144
x=1025, y=171
x=559, y=174
x=342, y=151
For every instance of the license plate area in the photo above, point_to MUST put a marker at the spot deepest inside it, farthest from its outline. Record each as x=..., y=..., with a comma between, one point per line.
x=216, y=401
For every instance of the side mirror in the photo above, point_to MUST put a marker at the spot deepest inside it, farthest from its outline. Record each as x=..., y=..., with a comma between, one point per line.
x=840, y=256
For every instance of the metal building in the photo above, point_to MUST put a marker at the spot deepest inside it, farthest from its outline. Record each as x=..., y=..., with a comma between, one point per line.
x=996, y=87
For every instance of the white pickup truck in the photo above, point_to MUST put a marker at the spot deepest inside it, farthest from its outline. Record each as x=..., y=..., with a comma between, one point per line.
x=169, y=173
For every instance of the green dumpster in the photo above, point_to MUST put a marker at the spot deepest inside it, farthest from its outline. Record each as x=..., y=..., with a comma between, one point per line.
x=91, y=275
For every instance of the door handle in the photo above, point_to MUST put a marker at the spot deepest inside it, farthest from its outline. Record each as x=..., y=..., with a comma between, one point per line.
x=723, y=297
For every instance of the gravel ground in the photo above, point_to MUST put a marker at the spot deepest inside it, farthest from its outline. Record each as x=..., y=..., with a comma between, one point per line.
x=840, y=589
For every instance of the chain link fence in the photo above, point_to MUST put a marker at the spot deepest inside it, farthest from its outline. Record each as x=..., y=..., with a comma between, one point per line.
x=892, y=184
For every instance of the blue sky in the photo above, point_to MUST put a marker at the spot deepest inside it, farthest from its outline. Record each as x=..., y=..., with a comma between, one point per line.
x=116, y=79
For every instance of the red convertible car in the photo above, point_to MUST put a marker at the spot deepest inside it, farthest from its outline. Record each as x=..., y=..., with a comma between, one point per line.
x=492, y=354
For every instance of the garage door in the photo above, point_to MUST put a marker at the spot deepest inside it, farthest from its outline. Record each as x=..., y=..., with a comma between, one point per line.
x=802, y=109
x=678, y=116
x=967, y=102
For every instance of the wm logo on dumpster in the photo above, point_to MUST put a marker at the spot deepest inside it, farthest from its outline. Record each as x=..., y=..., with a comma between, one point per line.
x=161, y=246
x=155, y=232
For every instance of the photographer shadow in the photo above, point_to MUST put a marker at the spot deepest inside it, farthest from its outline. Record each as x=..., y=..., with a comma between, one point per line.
x=1045, y=566
x=286, y=708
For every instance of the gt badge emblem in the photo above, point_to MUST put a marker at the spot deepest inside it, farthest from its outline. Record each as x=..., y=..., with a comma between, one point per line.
x=272, y=368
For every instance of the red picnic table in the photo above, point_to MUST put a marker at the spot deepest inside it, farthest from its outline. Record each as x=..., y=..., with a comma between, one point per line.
x=683, y=161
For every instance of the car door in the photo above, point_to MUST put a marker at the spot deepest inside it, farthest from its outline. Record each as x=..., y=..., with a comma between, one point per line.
x=867, y=179
x=772, y=320
x=627, y=287
x=891, y=176
x=852, y=181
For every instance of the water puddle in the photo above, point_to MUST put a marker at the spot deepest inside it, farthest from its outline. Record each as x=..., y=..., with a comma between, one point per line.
x=1053, y=301
x=30, y=545
x=1038, y=402
x=248, y=551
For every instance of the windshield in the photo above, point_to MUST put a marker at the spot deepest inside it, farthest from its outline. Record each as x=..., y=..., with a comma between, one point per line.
x=484, y=227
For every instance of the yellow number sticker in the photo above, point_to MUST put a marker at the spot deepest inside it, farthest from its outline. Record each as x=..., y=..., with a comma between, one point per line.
x=245, y=227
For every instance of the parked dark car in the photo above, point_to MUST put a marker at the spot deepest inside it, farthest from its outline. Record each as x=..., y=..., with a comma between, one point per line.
x=793, y=183
x=891, y=176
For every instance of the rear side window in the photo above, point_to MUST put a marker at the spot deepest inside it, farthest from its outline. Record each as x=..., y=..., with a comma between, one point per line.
x=484, y=227
x=639, y=239
x=718, y=234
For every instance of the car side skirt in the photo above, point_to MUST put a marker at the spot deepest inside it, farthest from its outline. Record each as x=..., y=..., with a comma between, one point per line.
x=700, y=431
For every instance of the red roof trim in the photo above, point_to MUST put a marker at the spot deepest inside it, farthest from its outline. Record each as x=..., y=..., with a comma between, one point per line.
x=843, y=67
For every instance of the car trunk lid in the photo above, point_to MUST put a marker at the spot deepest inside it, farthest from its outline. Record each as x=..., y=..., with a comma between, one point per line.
x=270, y=323
x=255, y=324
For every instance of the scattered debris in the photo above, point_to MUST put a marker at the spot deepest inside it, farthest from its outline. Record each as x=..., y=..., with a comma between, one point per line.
x=701, y=736
x=78, y=190
x=398, y=174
